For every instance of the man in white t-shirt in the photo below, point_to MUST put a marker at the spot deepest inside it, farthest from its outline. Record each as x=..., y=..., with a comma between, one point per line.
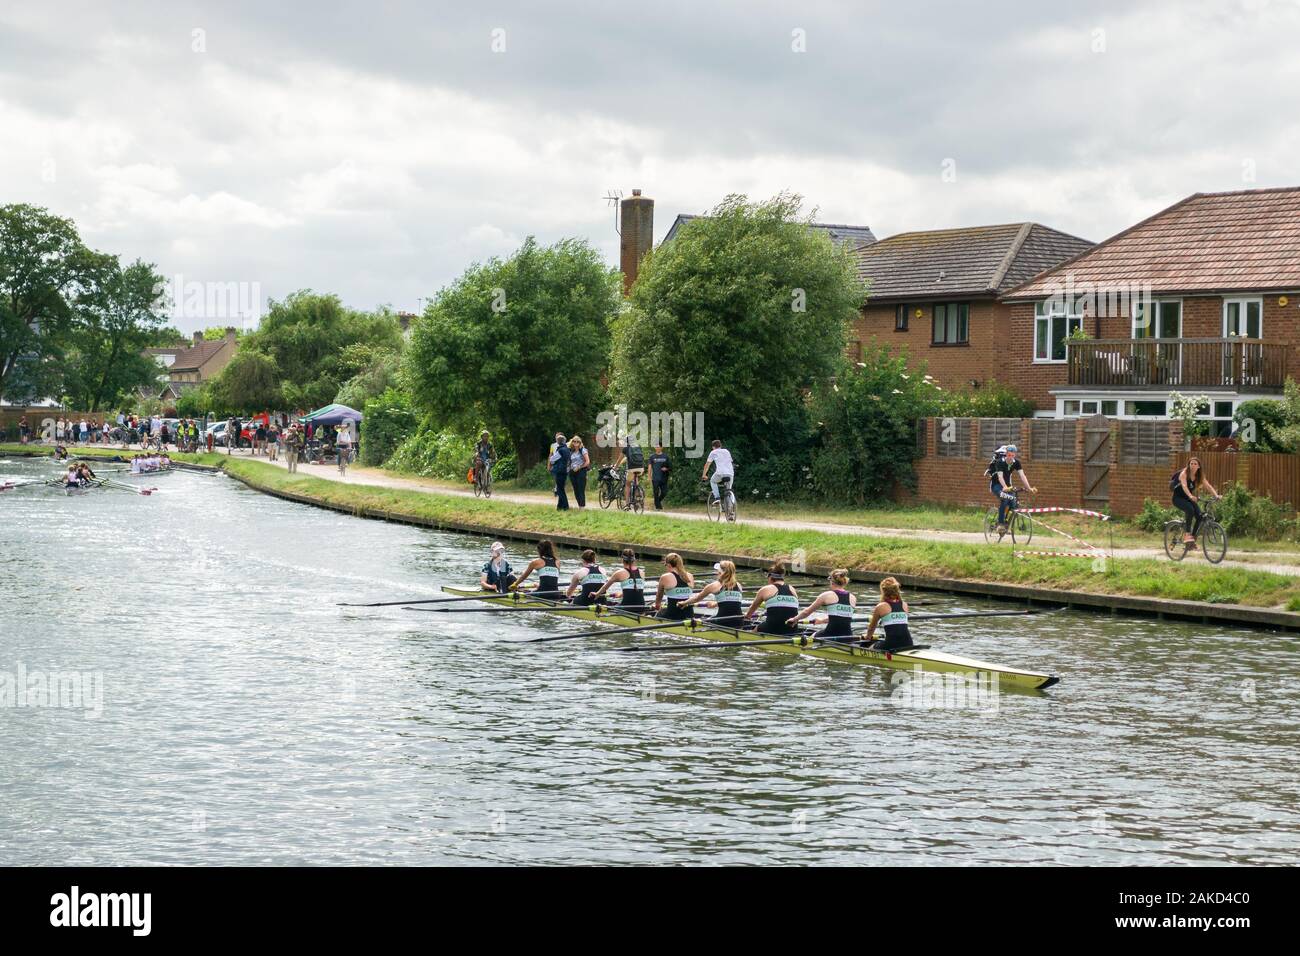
x=723, y=467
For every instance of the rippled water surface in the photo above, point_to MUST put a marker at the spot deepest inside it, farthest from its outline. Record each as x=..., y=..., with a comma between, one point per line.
x=248, y=719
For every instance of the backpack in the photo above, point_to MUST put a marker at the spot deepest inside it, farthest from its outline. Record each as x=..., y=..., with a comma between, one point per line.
x=993, y=468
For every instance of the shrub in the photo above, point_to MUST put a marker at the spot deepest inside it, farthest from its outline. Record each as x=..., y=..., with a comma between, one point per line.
x=1260, y=423
x=1154, y=515
x=434, y=454
x=388, y=422
x=1257, y=516
x=993, y=400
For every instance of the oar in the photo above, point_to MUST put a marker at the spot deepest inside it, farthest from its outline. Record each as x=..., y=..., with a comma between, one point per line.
x=963, y=614
x=485, y=596
x=513, y=610
x=798, y=640
x=600, y=633
x=108, y=482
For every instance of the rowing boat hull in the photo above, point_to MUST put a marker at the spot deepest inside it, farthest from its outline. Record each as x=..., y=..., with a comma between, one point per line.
x=929, y=661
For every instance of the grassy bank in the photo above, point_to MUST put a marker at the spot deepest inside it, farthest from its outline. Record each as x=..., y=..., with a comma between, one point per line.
x=1146, y=578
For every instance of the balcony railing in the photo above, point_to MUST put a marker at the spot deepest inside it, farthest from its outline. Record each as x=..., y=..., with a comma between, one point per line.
x=1235, y=363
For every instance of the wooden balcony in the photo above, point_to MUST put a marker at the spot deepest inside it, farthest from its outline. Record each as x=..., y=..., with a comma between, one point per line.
x=1233, y=363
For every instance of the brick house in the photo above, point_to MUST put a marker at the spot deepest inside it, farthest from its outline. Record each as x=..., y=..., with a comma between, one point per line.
x=1200, y=298
x=936, y=293
x=189, y=366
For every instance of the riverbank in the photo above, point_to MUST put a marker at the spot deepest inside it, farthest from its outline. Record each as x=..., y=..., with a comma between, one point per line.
x=1139, y=585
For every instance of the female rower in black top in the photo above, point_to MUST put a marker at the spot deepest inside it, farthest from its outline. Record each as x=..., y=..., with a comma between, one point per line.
x=631, y=579
x=1184, y=484
x=890, y=615
x=547, y=567
x=675, y=586
x=727, y=595
x=586, y=581
x=839, y=605
x=780, y=602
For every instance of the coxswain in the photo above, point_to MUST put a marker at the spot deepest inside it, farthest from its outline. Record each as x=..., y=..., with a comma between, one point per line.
x=724, y=592
x=547, y=567
x=496, y=574
x=631, y=581
x=890, y=615
x=779, y=601
x=839, y=605
x=675, y=587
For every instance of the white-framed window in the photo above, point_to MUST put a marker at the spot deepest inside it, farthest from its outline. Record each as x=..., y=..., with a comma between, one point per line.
x=1091, y=406
x=1054, y=320
x=1157, y=318
x=1244, y=317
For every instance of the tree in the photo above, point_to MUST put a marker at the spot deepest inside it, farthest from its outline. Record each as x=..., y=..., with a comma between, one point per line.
x=739, y=316
x=378, y=372
x=117, y=314
x=41, y=261
x=518, y=344
x=249, y=383
x=308, y=335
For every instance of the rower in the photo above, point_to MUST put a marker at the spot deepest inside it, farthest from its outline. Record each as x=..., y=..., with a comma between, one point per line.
x=891, y=616
x=586, y=581
x=728, y=596
x=675, y=586
x=779, y=601
x=496, y=574
x=547, y=567
x=632, y=581
x=839, y=605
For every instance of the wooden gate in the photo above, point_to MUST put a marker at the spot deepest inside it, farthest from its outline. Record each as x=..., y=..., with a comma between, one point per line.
x=1096, y=462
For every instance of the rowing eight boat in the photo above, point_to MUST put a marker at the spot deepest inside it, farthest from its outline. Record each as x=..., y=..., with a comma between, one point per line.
x=926, y=660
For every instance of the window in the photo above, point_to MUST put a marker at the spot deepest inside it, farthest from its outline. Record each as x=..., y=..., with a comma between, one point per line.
x=900, y=318
x=1110, y=408
x=1054, y=320
x=951, y=323
x=1244, y=317
x=1156, y=409
x=1157, y=319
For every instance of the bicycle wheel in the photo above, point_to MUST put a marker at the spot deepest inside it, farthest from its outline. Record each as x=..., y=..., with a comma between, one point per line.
x=990, y=526
x=487, y=485
x=603, y=495
x=1174, y=546
x=478, y=486
x=731, y=506
x=713, y=506
x=1022, y=528
x=638, y=498
x=1214, y=541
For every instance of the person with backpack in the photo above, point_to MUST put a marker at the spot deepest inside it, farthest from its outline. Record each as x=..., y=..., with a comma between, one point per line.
x=1184, y=484
x=1005, y=463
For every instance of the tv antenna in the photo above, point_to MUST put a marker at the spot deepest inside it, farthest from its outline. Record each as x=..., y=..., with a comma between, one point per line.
x=615, y=198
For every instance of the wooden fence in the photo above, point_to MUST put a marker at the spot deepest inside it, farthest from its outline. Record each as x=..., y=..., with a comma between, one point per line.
x=1277, y=476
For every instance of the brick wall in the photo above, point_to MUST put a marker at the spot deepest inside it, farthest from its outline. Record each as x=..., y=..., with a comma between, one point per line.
x=982, y=359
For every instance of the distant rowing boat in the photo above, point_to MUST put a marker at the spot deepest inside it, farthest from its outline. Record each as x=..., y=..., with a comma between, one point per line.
x=923, y=659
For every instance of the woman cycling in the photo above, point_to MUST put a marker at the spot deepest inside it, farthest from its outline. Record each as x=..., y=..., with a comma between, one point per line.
x=1184, y=484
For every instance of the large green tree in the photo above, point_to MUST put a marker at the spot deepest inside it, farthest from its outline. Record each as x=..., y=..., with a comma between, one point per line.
x=519, y=344
x=117, y=314
x=42, y=261
x=313, y=340
x=738, y=317
x=250, y=383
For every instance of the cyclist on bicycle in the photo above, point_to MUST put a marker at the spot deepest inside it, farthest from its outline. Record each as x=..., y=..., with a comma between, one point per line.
x=1005, y=463
x=723, y=467
x=485, y=456
x=634, y=458
x=1184, y=484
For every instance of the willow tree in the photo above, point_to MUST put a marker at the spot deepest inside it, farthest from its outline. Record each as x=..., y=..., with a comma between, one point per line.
x=518, y=344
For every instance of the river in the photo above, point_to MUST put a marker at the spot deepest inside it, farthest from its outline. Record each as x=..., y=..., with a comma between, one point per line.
x=244, y=718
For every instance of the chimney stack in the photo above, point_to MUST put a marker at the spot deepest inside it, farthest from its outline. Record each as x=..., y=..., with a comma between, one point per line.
x=232, y=333
x=638, y=227
x=198, y=337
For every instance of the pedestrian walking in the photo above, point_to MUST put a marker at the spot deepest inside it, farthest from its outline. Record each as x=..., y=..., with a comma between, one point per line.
x=659, y=469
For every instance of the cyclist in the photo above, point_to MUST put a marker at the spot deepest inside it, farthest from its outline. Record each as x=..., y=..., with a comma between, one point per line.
x=1184, y=484
x=343, y=439
x=723, y=467
x=485, y=456
x=839, y=605
x=1005, y=463
x=634, y=458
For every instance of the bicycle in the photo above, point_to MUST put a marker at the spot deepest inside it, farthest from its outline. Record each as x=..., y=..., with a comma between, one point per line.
x=1211, y=535
x=611, y=485
x=635, y=501
x=345, y=456
x=1020, y=526
x=482, y=480
x=724, y=504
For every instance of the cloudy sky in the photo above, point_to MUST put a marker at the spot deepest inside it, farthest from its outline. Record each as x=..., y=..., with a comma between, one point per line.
x=375, y=149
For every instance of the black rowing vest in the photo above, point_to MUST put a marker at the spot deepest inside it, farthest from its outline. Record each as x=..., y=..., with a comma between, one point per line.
x=548, y=577
x=894, y=624
x=592, y=582
x=730, y=606
x=779, y=608
x=679, y=592
x=839, y=616
x=633, y=589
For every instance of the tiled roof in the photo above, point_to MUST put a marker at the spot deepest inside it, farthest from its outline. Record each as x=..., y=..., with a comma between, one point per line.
x=190, y=357
x=1209, y=242
x=980, y=260
x=840, y=234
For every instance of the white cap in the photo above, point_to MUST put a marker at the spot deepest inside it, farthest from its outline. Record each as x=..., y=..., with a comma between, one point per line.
x=717, y=567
